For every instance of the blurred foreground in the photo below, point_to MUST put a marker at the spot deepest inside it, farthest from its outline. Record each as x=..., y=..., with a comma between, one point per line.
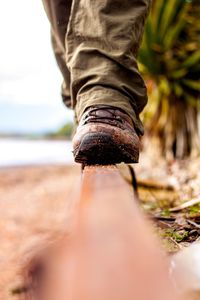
x=35, y=206
x=112, y=228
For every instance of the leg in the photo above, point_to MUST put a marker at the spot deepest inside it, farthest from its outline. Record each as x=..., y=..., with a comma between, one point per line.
x=102, y=43
x=107, y=90
x=58, y=12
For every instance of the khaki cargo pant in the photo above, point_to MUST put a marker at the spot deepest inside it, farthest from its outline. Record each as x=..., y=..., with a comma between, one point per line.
x=96, y=44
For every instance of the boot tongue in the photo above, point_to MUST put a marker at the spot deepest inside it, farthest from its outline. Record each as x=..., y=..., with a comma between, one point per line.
x=103, y=113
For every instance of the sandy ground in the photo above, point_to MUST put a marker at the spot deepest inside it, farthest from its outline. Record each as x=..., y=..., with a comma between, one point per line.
x=33, y=203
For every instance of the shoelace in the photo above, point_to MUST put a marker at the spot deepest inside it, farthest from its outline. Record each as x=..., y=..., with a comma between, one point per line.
x=90, y=115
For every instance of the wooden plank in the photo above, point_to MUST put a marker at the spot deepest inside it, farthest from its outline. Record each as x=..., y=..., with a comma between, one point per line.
x=112, y=252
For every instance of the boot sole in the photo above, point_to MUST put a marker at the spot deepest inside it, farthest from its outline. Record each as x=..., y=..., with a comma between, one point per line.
x=101, y=149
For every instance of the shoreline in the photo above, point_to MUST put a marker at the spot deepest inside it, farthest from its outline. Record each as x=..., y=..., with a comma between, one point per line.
x=35, y=165
x=16, y=152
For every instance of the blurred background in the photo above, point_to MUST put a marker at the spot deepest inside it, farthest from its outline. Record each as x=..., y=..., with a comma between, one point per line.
x=31, y=108
x=33, y=120
x=30, y=102
x=170, y=62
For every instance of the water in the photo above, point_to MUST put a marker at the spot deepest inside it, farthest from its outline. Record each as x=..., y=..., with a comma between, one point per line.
x=16, y=152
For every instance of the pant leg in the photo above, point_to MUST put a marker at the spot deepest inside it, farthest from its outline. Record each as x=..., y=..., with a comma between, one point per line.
x=102, y=42
x=59, y=53
x=58, y=12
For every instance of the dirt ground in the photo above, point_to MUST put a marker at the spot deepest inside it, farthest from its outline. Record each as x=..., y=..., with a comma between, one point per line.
x=34, y=204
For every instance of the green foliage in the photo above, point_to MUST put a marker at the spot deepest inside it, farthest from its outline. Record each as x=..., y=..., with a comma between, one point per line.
x=193, y=210
x=170, y=61
x=178, y=236
x=64, y=132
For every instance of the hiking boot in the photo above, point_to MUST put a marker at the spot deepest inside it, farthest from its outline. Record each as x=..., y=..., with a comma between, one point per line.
x=105, y=135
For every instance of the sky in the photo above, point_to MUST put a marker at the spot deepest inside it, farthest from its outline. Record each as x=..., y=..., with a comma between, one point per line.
x=29, y=77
